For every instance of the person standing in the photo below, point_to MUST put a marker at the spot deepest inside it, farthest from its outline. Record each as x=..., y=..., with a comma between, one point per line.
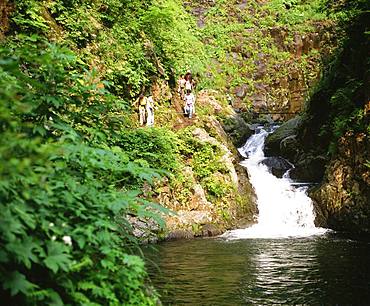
x=189, y=82
x=150, y=111
x=140, y=103
x=181, y=87
x=189, y=107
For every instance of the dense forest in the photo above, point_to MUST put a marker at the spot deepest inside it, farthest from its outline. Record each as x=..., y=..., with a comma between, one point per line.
x=78, y=173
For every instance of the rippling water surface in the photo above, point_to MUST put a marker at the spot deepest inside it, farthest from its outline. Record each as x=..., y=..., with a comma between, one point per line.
x=322, y=270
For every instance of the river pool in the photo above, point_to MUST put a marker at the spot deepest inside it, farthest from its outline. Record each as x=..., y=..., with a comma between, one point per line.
x=324, y=270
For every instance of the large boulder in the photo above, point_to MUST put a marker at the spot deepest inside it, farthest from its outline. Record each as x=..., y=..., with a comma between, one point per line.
x=277, y=165
x=237, y=129
x=274, y=141
x=309, y=168
x=289, y=148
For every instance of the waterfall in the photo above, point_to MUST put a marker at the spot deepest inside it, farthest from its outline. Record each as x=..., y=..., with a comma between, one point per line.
x=284, y=210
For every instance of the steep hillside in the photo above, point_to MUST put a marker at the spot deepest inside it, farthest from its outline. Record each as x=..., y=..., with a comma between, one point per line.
x=265, y=54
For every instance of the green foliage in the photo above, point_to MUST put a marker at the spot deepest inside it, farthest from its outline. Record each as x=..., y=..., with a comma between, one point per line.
x=155, y=147
x=216, y=186
x=130, y=41
x=64, y=188
x=173, y=34
x=337, y=104
x=296, y=12
x=345, y=11
x=205, y=161
x=29, y=17
x=251, y=43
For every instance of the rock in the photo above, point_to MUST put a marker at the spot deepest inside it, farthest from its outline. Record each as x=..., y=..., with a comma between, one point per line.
x=342, y=200
x=237, y=129
x=227, y=159
x=241, y=91
x=199, y=210
x=309, y=169
x=261, y=70
x=210, y=230
x=215, y=125
x=277, y=165
x=279, y=35
x=179, y=234
x=298, y=45
x=273, y=141
x=207, y=98
x=203, y=136
x=259, y=101
x=198, y=199
x=200, y=13
x=145, y=229
x=194, y=217
x=289, y=147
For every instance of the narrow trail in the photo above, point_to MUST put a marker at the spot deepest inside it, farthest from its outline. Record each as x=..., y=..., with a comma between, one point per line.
x=181, y=120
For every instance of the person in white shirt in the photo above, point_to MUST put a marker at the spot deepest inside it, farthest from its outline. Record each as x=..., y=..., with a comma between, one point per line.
x=150, y=111
x=189, y=82
x=189, y=107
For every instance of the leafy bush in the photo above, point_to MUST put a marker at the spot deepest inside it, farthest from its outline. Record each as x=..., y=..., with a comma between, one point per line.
x=64, y=187
x=153, y=147
x=216, y=186
x=205, y=156
x=173, y=34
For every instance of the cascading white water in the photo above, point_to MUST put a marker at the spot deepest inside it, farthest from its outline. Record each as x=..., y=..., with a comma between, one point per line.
x=284, y=211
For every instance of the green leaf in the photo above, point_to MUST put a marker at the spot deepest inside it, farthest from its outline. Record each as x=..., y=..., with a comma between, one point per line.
x=3, y=256
x=17, y=282
x=57, y=256
x=23, y=250
x=27, y=217
x=55, y=299
x=9, y=224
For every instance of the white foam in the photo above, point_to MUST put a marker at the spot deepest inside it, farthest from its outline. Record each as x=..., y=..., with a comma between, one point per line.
x=284, y=211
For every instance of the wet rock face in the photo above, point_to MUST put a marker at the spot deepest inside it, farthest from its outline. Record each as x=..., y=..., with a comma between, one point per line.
x=282, y=140
x=277, y=165
x=284, y=93
x=288, y=90
x=343, y=199
x=309, y=169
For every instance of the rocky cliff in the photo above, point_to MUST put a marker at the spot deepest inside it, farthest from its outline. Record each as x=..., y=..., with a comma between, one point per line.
x=343, y=199
x=330, y=142
x=264, y=60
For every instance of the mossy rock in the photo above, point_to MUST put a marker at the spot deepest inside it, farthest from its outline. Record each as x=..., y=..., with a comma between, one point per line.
x=237, y=129
x=287, y=129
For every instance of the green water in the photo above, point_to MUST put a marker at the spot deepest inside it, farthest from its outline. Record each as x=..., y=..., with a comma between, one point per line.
x=325, y=270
